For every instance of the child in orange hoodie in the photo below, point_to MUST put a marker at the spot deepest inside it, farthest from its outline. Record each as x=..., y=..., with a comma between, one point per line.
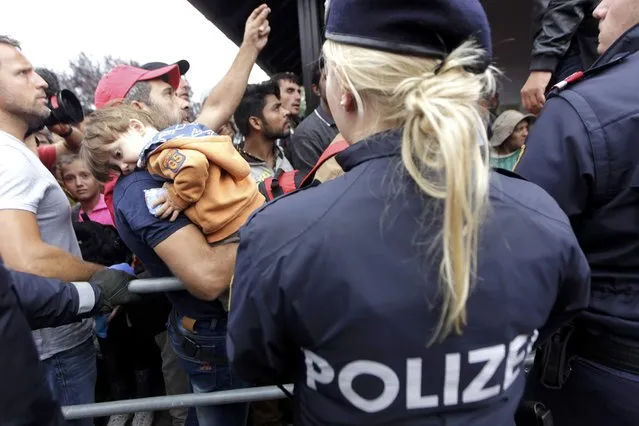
x=205, y=175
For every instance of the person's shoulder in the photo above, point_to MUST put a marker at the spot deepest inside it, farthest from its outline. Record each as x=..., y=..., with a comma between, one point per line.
x=604, y=88
x=509, y=192
x=140, y=176
x=307, y=123
x=131, y=186
x=14, y=149
x=295, y=218
x=17, y=160
x=308, y=128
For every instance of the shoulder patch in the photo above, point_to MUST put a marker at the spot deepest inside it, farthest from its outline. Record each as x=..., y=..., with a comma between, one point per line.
x=173, y=161
x=572, y=78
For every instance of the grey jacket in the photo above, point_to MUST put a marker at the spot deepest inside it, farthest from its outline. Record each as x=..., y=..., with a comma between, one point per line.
x=561, y=28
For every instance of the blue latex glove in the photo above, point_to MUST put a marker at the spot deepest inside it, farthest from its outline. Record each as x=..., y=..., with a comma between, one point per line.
x=124, y=267
x=102, y=325
x=102, y=321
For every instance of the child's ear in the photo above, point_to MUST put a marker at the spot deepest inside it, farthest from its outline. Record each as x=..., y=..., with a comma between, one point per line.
x=137, y=126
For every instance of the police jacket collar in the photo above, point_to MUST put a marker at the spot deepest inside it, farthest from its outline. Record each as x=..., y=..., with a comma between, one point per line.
x=625, y=45
x=379, y=145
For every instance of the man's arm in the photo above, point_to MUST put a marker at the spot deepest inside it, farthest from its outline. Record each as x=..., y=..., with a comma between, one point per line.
x=22, y=190
x=558, y=26
x=226, y=96
x=22, y=249
x=26, y=397
x=205, y=271
x=258, y=344
x=48, y=302
x=71, y=139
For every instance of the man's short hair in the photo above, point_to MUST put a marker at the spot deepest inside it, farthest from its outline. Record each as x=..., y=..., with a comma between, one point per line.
x=253, y=103
x=317, y=72
x=104, y=127
x=286, y=76
x=140, y=92
x=9, y=41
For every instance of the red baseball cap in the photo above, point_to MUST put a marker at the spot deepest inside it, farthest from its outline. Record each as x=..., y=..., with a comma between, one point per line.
x=116, y=83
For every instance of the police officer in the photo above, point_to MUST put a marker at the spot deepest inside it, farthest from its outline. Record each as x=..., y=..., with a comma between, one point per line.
x=584, y=151
x=410, y=289
x=29, y=302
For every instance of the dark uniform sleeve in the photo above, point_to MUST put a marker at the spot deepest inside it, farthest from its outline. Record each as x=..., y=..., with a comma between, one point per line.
x=574, y=290
x=558, y=156
x=51, y=303
x=25, y=397
x=257, y=349
x=559, y=23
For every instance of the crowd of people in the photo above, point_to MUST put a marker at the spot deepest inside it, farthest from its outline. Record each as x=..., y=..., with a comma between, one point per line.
x=397, y=253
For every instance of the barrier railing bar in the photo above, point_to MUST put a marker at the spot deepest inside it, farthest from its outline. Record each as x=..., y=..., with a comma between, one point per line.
x=158, y=403
x=155, y=285
x=105, y=409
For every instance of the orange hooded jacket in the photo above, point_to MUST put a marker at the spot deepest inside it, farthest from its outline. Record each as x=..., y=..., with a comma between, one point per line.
x=211, y=182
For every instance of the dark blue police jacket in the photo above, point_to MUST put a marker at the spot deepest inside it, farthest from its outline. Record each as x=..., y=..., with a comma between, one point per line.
x=25, y=397
x=336, y=288
x=584, y=150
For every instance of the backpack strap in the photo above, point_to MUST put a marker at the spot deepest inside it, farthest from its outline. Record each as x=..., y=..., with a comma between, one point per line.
x=85, y=217
x=275, y=187
x=332, y=150
x=279, y=184
x=75, y=213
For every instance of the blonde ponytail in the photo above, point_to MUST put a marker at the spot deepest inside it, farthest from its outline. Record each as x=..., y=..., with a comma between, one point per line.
x=444, y=145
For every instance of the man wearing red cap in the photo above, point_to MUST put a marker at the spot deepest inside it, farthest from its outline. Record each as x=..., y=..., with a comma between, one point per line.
x=197, y=328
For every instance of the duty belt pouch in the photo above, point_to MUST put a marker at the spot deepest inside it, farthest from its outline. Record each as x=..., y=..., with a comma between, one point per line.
x=556, y=359
x=533, y=413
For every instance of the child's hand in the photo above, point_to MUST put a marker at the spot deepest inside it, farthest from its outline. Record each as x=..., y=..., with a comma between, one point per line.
x=166, y=208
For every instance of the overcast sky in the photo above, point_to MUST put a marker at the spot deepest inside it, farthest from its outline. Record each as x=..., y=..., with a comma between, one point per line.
x=53, y=31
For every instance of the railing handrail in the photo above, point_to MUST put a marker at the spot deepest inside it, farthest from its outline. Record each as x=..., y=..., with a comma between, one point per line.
x=157, y=403
x=155, y=285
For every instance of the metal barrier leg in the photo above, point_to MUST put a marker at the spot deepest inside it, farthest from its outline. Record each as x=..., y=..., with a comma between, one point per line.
x=104, y=409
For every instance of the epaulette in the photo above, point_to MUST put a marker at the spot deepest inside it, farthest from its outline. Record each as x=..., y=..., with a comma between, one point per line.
x=581, y=75
x=572, y=78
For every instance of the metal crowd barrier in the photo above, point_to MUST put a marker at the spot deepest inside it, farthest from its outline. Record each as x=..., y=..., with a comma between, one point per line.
x=158, y=403
x=155, y=285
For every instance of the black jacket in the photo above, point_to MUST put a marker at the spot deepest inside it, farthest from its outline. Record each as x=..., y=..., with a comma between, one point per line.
x=25, y=397
x=583, y=151
x=563, y=28
x=336, y=288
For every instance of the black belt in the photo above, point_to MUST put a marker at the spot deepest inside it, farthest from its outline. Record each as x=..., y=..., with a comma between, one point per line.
x=605, y=351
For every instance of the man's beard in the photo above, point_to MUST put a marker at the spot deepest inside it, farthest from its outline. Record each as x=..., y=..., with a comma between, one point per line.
x=163, y=118
x=278, y=134
x=35, y=123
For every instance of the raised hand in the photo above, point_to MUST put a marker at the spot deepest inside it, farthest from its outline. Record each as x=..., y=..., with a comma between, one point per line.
x=257, y=28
